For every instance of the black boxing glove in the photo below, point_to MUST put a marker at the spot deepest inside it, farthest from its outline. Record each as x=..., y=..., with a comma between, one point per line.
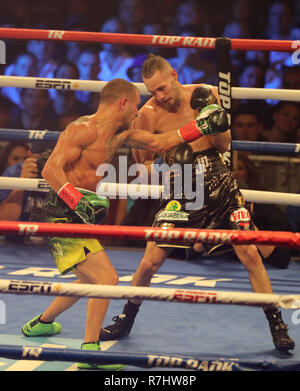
x=202, y=96
x=182, y=154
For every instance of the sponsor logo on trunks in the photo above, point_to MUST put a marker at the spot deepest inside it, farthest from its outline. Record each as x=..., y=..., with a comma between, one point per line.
x=29, y=286
x=53, y=83
x=195, y=296
x=239, y=215
x=173, y=206
x=172, y=216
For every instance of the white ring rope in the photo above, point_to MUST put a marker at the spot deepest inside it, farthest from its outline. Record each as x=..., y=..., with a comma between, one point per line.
x=147, y=293
x=134, y=191
x=97, y=86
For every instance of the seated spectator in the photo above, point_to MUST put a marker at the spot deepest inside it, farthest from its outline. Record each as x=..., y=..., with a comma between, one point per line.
x=25, y=65
x=6, y=112
x=157, y=28
x=189, y=64
x=252, y=75
x=291, y=78
x=280, y=22
x=34, y=113
x=19, y=204
x=14, y=152
x=190, y=12
x=131, y=14
x=43, y=52
x=64, y=102
x=247, y=124
x=88, y=66
x=286, y=119
x=237, y=29
x=134, y=72
x=114, y=59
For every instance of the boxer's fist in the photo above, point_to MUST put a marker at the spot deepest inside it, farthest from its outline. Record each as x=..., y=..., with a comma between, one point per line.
x=90, y=207
x=212, y=120
x=202, y=96
x=182, y=154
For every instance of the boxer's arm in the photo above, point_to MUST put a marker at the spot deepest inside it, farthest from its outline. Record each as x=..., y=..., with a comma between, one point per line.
x=145, y=121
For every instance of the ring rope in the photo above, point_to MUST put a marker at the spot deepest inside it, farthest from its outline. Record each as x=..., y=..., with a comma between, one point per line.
x=192, y=296
x=237, y=145
x=135, y=191
x=147, y=360
x=97, y=86
x=172, y=235
x=149, y=40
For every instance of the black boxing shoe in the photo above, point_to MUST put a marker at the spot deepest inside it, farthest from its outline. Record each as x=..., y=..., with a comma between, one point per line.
x=123, y=323
x=279, y=331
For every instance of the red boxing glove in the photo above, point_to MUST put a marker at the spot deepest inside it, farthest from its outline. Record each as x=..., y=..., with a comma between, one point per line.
x=189, y=132
x=70, y=195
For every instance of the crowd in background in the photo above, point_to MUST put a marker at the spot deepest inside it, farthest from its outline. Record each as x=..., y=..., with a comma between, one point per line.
x=40, y=109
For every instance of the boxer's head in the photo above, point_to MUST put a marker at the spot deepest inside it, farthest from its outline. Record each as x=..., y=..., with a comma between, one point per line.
x=161, y=81
x=124, y=98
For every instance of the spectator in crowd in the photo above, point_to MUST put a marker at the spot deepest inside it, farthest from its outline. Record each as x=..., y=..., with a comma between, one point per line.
x=24, y=66
x=252, y=75
x=189, y=64
x=286, y=119
x=89, y=66
x=190, y=12
x=247, y=124
x=64, y=102
x=280, y=22
x=43, y=52
x=237, y=29
x=114, y=59
x=6, y=112
x=13, y=153
x=291, y=77
x=157, y=28
x=132, y=14
x=33, y=114
x=19, y=204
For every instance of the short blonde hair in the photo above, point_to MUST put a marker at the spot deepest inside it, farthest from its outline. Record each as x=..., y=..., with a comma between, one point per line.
x=116, y=89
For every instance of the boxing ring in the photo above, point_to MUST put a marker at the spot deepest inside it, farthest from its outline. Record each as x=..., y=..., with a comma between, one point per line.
x=197, y=315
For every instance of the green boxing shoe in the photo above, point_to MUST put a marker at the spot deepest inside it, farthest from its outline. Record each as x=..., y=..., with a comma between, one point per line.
x=95, y=346
x=35, y=328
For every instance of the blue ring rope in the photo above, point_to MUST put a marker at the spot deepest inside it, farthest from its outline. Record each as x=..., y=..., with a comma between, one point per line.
x=237, y=145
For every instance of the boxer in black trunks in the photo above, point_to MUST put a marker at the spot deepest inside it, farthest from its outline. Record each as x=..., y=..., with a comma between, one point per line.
x=171, y=105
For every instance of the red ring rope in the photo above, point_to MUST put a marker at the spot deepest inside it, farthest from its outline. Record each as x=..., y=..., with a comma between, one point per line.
x=138, y=39
x=175, y=235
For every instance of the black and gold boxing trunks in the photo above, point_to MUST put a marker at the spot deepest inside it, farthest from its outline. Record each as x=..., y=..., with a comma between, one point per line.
x=223, y=205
